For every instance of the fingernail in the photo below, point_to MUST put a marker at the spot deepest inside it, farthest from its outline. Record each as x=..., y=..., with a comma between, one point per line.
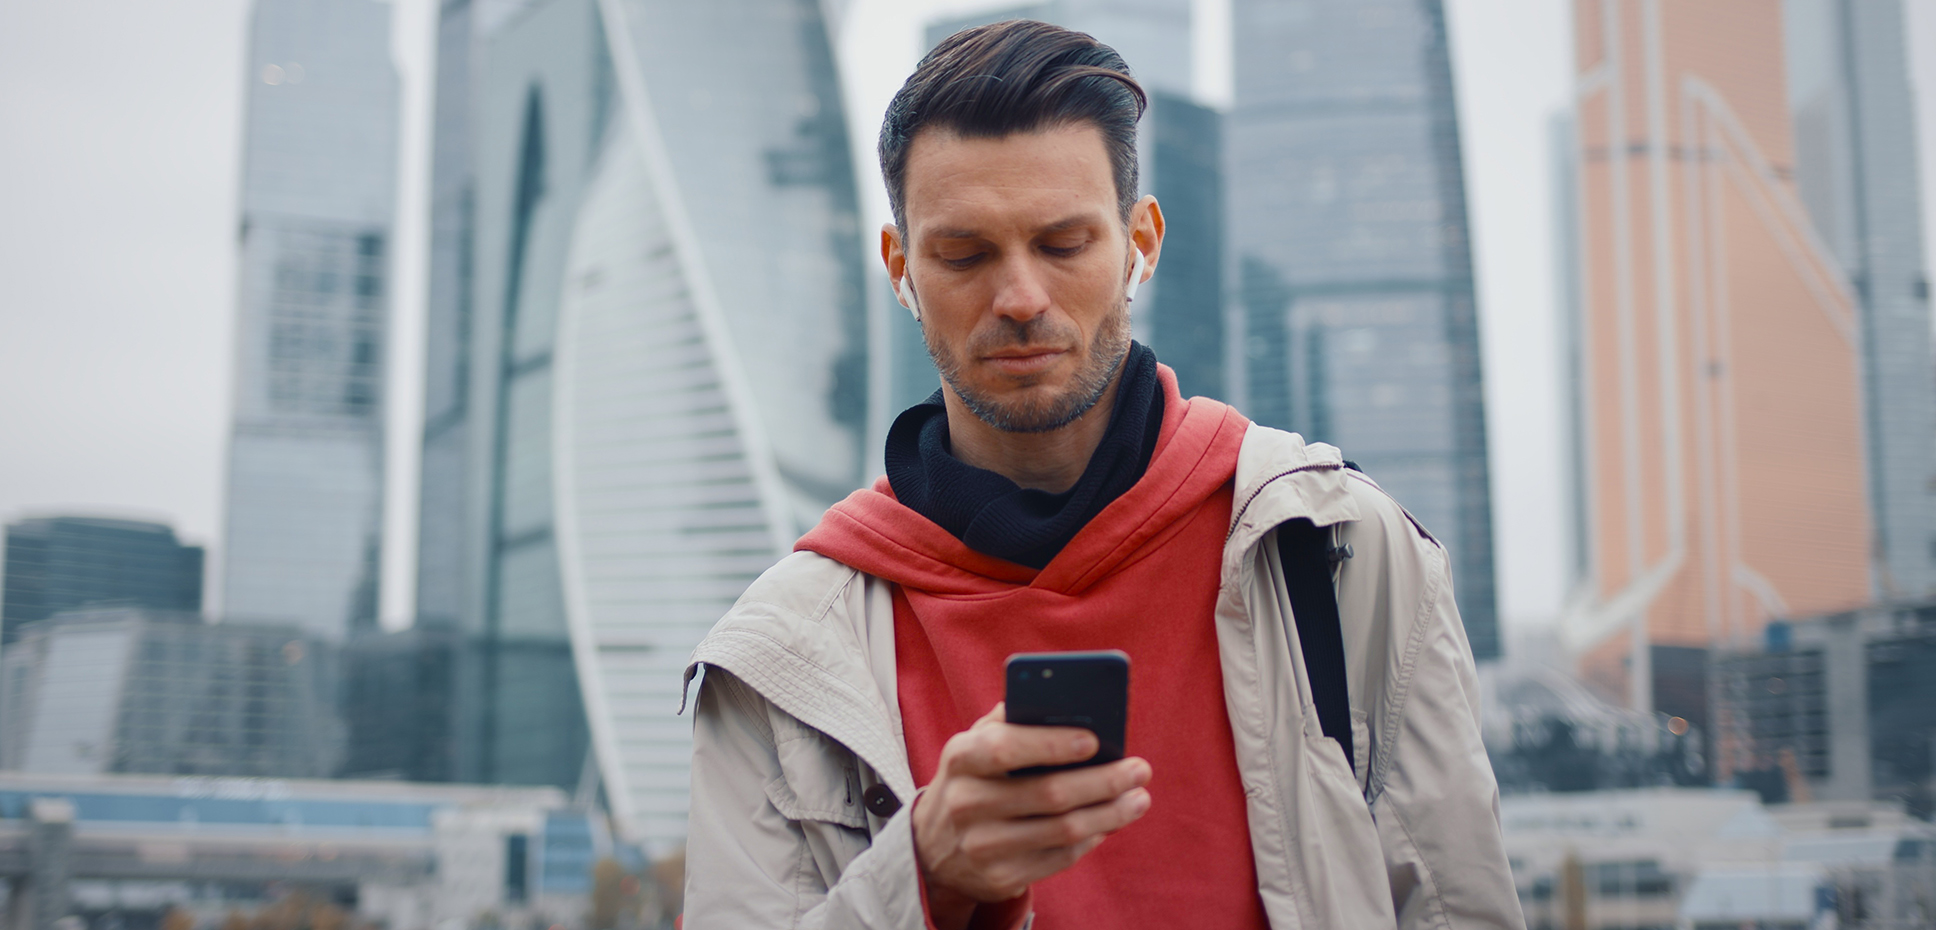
x=1139, y=802
x=1079, y=744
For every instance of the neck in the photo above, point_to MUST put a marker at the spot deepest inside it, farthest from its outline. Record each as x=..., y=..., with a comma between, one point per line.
x=1052, y=461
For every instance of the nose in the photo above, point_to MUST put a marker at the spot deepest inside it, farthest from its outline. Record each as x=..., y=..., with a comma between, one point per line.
x=1021, y=294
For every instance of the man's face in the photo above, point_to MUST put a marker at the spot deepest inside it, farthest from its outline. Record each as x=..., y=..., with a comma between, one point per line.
x=1019, y=259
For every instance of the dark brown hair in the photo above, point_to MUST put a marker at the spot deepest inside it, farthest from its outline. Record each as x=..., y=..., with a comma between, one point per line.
x=1013, y=77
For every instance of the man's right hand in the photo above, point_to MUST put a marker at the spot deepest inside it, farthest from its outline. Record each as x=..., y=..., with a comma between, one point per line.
x=982, y=836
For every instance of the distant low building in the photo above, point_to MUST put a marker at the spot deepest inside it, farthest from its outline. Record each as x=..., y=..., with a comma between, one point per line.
x=1703, y=858
x=1838, y=707
x=64, y=563
x=395, y=855
x=136, y=690
x=1547, y=731
x=399, y=703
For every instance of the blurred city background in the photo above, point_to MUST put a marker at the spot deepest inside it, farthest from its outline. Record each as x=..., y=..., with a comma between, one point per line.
x=392, y=393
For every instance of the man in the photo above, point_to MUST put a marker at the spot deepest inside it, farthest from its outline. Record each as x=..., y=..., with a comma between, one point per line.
x=850, y=754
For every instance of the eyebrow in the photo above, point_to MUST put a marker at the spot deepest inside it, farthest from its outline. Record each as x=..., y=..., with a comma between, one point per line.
x=1057, y=226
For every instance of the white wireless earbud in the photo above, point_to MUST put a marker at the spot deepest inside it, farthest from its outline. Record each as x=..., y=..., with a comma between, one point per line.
x=1135, y=274
x=906, y=292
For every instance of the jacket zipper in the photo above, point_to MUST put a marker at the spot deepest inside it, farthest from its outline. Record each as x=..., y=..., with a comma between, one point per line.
x=1239, y=518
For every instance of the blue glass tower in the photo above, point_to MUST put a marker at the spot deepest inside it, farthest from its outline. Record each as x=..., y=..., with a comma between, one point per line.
x=1351, y=264
x=305, y=482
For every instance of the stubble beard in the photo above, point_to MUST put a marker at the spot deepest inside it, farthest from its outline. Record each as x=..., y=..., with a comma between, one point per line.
x=1041, y=415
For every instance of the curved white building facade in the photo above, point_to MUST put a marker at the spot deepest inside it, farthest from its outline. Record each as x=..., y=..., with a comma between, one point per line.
x=677, y=384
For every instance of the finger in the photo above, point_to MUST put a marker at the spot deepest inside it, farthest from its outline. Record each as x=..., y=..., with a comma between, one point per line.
x=1011, y=840
x=1060, y=792
x=995, y=748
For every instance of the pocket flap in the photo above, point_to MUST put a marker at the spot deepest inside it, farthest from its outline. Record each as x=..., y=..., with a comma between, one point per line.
x=818, y=781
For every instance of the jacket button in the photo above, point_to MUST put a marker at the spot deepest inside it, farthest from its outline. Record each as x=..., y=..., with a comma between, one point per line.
x=880, y=801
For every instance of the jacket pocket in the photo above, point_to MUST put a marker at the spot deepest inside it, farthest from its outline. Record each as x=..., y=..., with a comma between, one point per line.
x=1338, y=855
x=818, y=790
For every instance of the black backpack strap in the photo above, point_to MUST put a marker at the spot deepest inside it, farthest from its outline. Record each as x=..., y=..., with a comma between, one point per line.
x=1307, y=554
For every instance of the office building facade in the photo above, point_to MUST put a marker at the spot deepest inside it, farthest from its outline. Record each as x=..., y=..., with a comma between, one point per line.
x=648, y=366
x=305, y=465
x=1349, y=261
x=133, y=690
x=1855, y=169
x=1716, y=336
x=55, y=564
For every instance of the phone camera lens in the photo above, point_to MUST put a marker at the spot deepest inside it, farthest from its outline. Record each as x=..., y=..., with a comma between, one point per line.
x=1048, y=673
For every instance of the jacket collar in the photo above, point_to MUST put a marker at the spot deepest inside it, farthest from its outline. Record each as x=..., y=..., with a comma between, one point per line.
x=801, y=637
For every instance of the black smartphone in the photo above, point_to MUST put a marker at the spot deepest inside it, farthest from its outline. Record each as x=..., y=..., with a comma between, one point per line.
x=1071, y=689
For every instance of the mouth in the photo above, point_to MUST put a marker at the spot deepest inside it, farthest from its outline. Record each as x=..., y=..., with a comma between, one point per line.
x=1023, y=361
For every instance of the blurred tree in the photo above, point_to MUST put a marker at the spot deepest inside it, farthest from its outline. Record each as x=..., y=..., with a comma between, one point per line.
x=1573, y=892
x=327, y=916
x=608, y=895
x=669, y=876
x=177, y=919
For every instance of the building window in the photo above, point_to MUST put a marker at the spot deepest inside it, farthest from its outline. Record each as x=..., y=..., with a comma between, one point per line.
x=517, y=868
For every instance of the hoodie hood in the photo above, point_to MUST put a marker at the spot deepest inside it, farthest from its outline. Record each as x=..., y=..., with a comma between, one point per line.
x=1196, y=454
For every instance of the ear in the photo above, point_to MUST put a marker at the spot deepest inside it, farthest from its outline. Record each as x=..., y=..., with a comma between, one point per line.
x=1146, y=232
x=893, y=256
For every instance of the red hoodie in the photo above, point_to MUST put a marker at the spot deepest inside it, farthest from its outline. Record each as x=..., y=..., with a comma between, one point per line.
x=1142, y=577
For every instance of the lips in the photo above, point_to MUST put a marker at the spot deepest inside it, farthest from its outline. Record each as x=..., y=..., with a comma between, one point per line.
x=1024, y=362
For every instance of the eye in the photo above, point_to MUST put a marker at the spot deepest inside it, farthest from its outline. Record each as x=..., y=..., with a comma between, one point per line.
x=1064, y=246
x=962, y=261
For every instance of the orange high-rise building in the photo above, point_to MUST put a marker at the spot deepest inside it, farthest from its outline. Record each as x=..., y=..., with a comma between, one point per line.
x=1719, y=357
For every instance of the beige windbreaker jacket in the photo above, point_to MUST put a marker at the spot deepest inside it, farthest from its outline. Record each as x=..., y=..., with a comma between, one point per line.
x=800, y=780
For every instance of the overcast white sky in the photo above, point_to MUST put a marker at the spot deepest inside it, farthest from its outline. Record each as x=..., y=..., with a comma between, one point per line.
x=118, y=150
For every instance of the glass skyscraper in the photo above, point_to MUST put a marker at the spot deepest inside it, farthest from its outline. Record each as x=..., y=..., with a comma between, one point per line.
x=1152, y=35
x=1180, y=311
x=646, y=361
x=1855, y=168
x=305, y=482
x=64, y=563
x=1350, y=262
